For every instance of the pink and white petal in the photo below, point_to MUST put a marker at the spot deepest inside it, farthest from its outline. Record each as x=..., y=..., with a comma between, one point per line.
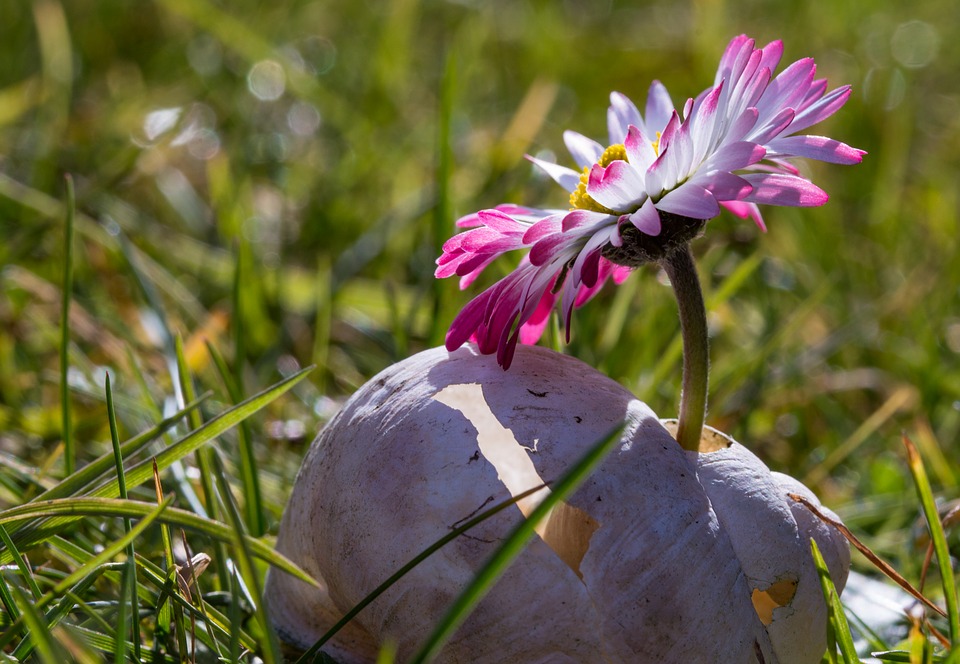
x=817, y=89
x=744, y=210
x=585, y=151
x=724, y=186
x=734, y=156
x=469, y=220
x=565, y=177
x=500, y=221
x=579, y=220
x=659, y=108
x=493, y=244
x=821, y=110
x=639, y=149
x=702, y=126
x=526, y=215
x=669, y=132
x=787, y=190
x=586, y=265
x=618, y=186
x=772, y=53
x=621, y=114
x=789, y=87
x=742, y=125
x=769, y=129
x=549, y=247
x=690, y=200
x=544, y=227
x=680, y=155
x=820, y=148
x=647, y=219
x=734, y=57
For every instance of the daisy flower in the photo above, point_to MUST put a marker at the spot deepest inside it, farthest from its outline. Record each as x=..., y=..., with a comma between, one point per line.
x=662, y=175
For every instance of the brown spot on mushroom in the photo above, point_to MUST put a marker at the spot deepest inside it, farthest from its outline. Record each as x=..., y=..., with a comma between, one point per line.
x=778, y=595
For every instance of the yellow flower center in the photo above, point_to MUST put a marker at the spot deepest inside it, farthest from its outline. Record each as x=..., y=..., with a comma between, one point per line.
x=656, y=145
x=579, y=198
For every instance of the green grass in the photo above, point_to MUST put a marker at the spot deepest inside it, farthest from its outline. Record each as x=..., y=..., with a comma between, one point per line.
x=204, y=261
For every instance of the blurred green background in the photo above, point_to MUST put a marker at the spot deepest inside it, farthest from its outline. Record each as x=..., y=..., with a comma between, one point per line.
x=276, y=178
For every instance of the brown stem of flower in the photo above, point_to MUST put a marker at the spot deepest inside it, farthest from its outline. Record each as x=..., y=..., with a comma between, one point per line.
x=682, y=271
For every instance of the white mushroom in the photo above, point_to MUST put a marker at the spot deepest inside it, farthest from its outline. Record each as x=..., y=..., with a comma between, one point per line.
x=661, y=555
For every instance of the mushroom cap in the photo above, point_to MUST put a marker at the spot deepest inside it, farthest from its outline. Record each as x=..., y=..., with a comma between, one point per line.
x=660, y=555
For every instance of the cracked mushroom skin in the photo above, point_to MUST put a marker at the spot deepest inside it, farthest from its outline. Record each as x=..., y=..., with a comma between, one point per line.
x=661, y=555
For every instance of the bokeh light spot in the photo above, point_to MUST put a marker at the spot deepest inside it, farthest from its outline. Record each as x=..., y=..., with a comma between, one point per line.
x=267, y=80
x=915, y=44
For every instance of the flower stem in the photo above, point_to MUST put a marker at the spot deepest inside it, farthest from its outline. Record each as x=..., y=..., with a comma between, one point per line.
x=680, y=267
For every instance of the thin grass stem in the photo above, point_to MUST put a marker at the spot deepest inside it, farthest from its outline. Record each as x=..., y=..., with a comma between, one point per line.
x=69, y=451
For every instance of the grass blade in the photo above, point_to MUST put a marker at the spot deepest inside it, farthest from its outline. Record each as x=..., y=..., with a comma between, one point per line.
x=513, y=545
x=72, y=508
x=69, y=452
x=82, y=478
x=129, y=584
x=838, y=621
x=6, y=598
x=879, y=562
x=38, y=630
x=269, y=646
x=252, y=496
x=939, y=539
x=201, y=454
x=442, y=215
x=90, y=566
x=227, y=420
x=22, y=565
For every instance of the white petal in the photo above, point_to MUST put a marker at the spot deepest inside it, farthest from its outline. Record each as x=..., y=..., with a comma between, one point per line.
x=565, y=177
x=585, y=151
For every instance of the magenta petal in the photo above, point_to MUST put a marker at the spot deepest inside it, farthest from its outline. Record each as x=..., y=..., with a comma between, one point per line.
x=787, y=190
x=547, y=248
x=494, y=245
x=499, y=221
x=467, y=321
x=744, y=210
x=532, y=330
x=541, y=229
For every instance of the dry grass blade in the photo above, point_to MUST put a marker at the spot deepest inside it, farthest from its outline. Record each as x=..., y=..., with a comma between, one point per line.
x=879, y=562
